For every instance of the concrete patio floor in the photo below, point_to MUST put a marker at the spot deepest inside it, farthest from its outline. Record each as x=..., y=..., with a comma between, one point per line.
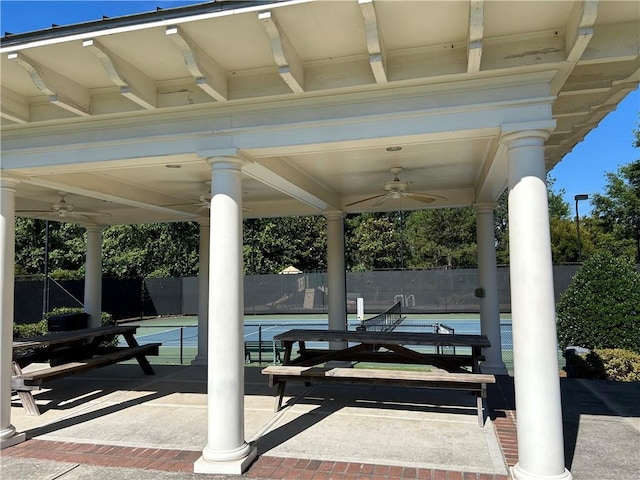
x=115, y=422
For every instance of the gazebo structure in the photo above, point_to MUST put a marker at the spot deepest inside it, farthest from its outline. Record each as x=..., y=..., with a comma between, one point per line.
x=304, y=108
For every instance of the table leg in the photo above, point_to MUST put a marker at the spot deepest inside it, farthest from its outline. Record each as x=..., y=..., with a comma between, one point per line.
x=288, y=346
x=279, y=395
x=26, y=397
x=141, y=358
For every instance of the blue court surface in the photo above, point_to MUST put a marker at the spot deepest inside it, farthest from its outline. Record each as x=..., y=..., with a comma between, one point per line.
x=184, y=331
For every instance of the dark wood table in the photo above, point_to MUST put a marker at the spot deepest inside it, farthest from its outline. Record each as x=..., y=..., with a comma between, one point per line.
x=383, y=347
x=72, y=352
x=83, y=342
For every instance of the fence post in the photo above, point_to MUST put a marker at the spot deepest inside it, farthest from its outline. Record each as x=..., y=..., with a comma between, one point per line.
x=260, y=344
x=181, y=342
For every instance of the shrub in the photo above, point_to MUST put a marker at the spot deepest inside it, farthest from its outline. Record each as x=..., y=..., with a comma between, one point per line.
x=29, y=329
x=607, y=364
x=106, y=320
x=41, y=327
x=601, y=306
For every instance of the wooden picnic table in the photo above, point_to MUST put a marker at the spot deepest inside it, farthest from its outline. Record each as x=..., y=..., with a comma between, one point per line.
x=383, y=347
x=72, y=352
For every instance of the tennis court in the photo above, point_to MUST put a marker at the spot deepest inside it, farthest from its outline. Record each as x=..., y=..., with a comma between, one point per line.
x=179, y=334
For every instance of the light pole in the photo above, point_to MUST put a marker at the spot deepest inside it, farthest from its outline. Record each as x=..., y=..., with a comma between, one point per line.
x=582, y=196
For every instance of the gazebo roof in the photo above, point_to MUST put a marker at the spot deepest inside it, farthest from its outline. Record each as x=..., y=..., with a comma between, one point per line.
x=116, y=116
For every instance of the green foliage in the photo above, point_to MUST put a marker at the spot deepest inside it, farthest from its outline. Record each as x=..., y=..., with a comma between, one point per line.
x=61, y=274
x=601, y=306
x=30, y=329
x=618, y=209
x=607, y=364
x=375, y=242
x=442, y=238
x=272, y=244
x=558, y=208
x=151, y=250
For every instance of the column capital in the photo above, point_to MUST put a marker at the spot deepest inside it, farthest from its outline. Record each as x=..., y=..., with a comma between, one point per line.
x=9, y=181
x=521, y=138
x=484, y=207
x=226, y=162
x=95, y=228
x=334, y=214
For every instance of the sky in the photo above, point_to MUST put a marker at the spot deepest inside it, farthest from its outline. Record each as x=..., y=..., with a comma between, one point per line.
x=603, y=150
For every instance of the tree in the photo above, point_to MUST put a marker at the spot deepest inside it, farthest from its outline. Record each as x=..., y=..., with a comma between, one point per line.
x=66, y=248
x=150, y=250
x=374, y=241
x=618, y=209
x=271, y=244
x=442, y=238
x=601, y=306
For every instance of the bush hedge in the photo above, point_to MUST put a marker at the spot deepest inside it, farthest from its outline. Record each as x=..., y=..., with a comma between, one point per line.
x=601, y=306
x=40, y=328
x=606, y=364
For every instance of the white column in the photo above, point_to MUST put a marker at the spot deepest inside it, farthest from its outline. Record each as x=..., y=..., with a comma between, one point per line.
x=8, y=435
x=535, y=350
x=203, y=293
x=336, y=279
x=489, y=303
x=226, y=452
x=93, y=276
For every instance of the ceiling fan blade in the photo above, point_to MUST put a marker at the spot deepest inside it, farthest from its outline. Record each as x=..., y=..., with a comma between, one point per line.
x=33, y=212
x=380, y=201
x=88, y=213
x=365, y=200
x=425, y=197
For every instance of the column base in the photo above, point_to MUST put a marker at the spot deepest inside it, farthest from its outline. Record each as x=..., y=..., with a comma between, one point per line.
x=519, y=474
x=11, y=441
x=227, y=467
x=494, y=368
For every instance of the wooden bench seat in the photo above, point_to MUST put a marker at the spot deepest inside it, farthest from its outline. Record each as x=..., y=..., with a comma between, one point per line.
x=24, y=382
x=255, y=346
x=473, y=382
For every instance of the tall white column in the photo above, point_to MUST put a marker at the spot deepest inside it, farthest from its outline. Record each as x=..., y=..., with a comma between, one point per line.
x=93, y=276
x=8, y=435
x=489, y=303
x=336, y=279
x=226, y=452
x=535, y=350
x=203, y=293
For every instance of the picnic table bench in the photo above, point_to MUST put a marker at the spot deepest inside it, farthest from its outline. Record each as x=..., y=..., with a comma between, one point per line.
x=70, y=353
x=259, y=346
x=311, y=365
x=472, y=382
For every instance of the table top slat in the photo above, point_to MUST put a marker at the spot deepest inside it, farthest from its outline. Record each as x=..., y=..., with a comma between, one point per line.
x=54, y=338
x=382, y=338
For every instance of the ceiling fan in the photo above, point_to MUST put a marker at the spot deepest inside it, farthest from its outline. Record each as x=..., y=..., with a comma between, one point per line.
x=203, y=203
x=63, y=210
x=397, y=189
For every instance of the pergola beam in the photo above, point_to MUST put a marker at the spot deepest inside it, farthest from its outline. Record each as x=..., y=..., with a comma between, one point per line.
x=134, y=84
x=292, y=182
x=62, y=91
x=13, y=107
x=476, y=33
x=290, y=65
x=578, y=33
x=210, y=77
x=377, y=58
